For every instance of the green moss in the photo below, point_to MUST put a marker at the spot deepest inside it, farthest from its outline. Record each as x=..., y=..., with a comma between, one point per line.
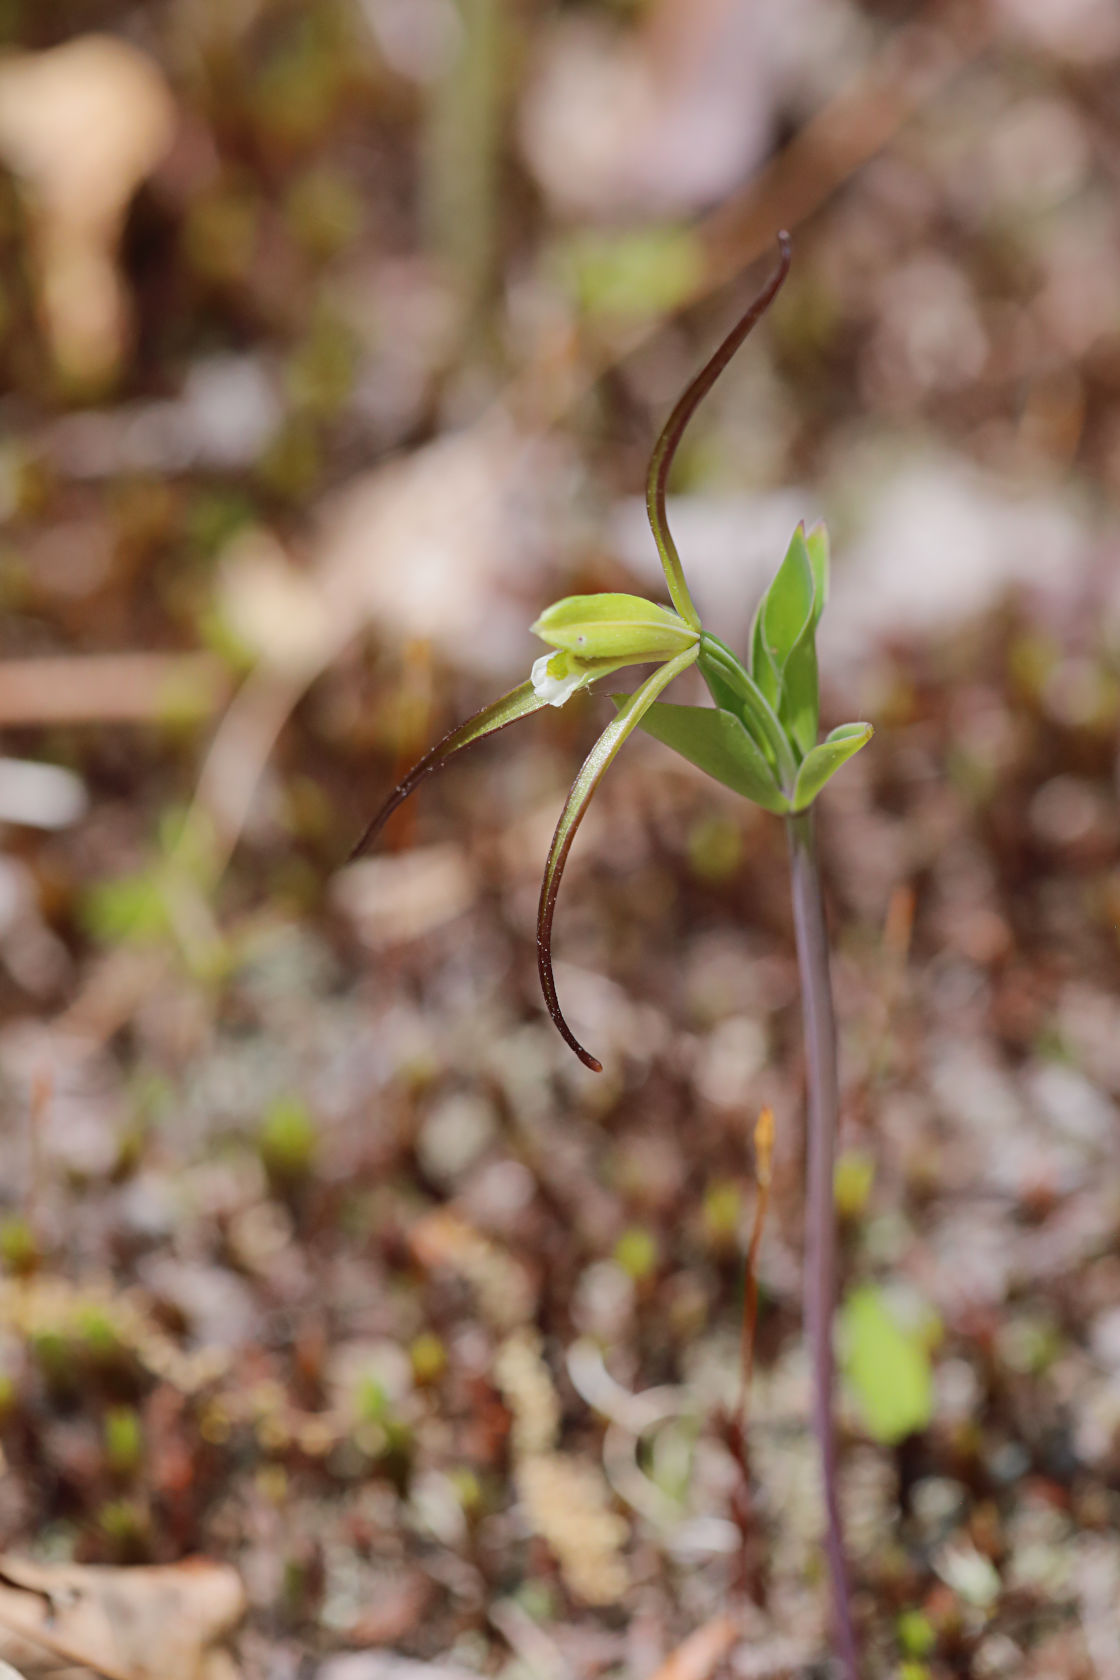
x=627, y=276
x=636, y=1251
x=124, y=1440
x=715, y=849
x=916, y=1635
x=429, y=1358
x=853, y=1182
x=288, y=1141
x=323, y=212
x=887, y=1367
x=722, y=1212
x=19, y=1251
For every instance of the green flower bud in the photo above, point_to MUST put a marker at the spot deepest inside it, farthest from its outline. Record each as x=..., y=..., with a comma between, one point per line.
x=624, y=628
x=596, y=634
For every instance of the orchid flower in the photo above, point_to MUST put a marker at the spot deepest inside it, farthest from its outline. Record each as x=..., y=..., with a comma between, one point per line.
x=759, y=738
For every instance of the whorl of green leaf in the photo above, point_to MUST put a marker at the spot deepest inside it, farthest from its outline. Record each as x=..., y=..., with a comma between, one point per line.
x=716, y=742
x=783, y=640
x=822, y=763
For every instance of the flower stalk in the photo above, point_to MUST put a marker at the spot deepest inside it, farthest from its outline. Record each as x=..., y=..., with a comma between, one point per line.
x=819, y=1284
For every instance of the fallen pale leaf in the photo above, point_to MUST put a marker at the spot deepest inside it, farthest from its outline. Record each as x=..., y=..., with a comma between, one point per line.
x=394, y=899
x=650, y=121
x=702, y=1652
x=159, y=1623
x=81, y=126
x=385, y=1665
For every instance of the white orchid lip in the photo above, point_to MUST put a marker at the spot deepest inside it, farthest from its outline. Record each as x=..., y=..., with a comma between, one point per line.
x=556, y=687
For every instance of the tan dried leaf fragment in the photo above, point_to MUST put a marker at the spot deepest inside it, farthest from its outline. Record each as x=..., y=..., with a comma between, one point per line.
x=161, y=1623
x=566, y=1499
x=702, y=1652
x=81, y=126
x=567, y=1502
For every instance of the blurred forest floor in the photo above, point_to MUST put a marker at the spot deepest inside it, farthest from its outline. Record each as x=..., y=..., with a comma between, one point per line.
x=335, y=337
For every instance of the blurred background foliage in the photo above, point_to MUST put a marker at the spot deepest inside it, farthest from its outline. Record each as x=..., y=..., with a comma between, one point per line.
x=334, y=335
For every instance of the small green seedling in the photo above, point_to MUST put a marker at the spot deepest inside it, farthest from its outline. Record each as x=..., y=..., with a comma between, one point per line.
x=759, y=738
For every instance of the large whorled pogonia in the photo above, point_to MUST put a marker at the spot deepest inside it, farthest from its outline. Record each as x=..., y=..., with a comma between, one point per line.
x=759, y=738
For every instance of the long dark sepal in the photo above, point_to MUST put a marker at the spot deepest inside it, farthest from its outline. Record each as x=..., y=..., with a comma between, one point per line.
x=666, y=446
x=519, y=703
x=590, y=775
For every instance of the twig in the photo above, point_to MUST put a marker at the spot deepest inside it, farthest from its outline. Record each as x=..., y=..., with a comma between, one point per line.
x=912, y=67
x=42, y=1093
x=110, y=688
x=820, y=1237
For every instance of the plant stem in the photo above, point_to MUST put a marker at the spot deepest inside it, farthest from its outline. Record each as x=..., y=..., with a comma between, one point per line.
x=820, y=1237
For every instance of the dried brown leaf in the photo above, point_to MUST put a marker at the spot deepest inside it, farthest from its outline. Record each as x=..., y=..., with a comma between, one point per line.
x=702, y=1652
x=156, y=1623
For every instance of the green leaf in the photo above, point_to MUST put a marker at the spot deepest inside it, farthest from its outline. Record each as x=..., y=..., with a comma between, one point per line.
x=816, y=542
x=734, y=690
x=716, y=742
x=887, y=1366
x=763, y=669
x=788, y=606
x=823, y=762
x=799, y=702
x=518, y=703
x=591, y=773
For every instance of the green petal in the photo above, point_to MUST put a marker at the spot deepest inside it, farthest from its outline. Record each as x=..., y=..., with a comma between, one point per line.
x=519, y=703
x=590, y=775
x=716, y=742
x=824, y=761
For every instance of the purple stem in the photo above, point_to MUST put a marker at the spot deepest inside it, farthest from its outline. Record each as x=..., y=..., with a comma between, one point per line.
x=820, y=1236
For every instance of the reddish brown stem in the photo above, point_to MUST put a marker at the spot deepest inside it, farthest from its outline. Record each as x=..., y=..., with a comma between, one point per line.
x=820, y=1235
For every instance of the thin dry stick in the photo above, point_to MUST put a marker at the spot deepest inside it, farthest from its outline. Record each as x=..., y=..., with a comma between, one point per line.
x=763, y=1155
x=912, y=68
x=42, y=1091
x=110, y=688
